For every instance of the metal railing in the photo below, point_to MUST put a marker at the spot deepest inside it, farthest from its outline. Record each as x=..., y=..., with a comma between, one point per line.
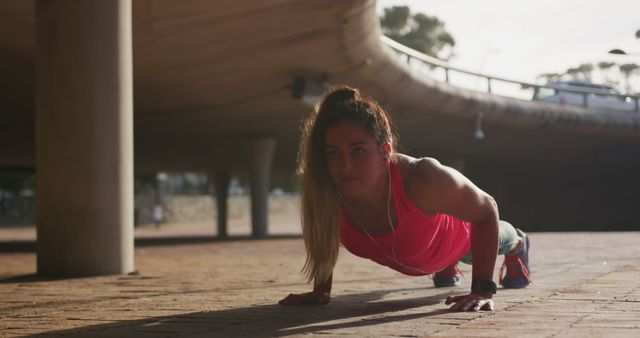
x=409, y=55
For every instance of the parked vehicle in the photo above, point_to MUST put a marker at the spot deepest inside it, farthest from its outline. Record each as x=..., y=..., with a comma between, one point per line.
x=575, y=93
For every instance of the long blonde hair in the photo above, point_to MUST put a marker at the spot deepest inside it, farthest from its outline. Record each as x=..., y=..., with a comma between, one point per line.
x=319, y=199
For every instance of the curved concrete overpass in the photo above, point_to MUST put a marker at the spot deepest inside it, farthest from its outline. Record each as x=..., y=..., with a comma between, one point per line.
x=213, y=79
x=207, y=76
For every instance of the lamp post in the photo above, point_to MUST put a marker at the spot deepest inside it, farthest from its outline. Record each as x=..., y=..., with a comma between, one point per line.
x=618, y=51
x=484, y=64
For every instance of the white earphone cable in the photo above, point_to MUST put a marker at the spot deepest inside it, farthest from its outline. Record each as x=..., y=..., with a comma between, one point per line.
x=393, y=230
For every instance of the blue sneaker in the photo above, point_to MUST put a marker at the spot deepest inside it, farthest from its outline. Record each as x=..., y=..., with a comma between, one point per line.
x=450, y=276
x=517, y=266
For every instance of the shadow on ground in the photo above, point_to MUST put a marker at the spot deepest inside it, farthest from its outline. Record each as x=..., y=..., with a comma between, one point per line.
x=348, y=311
x=31, y=245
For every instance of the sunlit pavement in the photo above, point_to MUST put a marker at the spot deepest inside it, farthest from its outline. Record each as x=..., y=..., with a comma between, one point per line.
x=586, y=285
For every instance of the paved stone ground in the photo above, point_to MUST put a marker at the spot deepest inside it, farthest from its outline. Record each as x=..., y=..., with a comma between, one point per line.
x=586, y=285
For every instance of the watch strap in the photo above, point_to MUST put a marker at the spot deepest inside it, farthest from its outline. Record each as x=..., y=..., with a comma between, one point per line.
x=484, y=285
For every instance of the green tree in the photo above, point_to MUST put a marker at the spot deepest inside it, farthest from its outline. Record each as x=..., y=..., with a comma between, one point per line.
x=628, y=70
x=550, y=77
x=395, y=19
x=144, y=182
x=606, y=69
x=604, y=65
x=16, y=180
x=582, y=72
x=419, y=31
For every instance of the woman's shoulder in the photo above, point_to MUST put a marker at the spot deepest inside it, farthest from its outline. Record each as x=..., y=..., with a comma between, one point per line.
x=418, y=176
x=419, y=169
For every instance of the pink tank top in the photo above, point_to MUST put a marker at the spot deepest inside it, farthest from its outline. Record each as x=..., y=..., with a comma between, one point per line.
x=424, y=244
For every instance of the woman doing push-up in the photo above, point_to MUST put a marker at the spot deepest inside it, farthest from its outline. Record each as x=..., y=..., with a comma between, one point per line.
x=413, y=215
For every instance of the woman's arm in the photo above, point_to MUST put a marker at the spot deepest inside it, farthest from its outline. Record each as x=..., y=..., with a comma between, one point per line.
x=435, y=188
x=320, y=295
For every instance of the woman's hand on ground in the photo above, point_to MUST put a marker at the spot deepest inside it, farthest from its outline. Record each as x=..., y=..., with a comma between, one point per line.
x=308, y=298
x=470, y=302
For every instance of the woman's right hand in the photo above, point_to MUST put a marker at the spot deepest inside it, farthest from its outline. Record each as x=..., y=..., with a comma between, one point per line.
x=308, y=298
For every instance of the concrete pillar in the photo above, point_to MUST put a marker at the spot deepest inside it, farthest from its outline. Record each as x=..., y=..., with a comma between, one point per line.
x=220, y=183
x=261, y=156
x=84, y=137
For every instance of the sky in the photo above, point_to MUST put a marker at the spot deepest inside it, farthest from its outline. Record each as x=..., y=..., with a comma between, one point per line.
x=522, y=39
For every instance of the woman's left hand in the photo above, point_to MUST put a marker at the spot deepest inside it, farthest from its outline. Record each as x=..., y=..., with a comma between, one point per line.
x=470, y=302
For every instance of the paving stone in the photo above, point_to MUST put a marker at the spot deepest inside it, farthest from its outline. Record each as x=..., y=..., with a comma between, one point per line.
x=586, y=285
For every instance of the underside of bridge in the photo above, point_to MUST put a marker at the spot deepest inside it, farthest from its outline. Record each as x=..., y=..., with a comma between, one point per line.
x=212, y=89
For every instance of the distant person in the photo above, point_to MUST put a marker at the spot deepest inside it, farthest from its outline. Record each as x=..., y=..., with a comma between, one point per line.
x=158, y=215
x=413, y=215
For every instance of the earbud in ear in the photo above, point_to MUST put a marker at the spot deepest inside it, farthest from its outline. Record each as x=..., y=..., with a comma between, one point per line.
x=386, y=150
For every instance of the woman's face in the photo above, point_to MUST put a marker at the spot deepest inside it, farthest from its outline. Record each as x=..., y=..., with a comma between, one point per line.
x=355, y=160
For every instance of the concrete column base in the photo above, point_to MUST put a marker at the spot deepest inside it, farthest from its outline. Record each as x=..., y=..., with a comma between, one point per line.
x=261, y=152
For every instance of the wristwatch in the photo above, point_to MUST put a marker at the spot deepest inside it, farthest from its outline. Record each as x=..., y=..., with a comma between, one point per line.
x=484, y=285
